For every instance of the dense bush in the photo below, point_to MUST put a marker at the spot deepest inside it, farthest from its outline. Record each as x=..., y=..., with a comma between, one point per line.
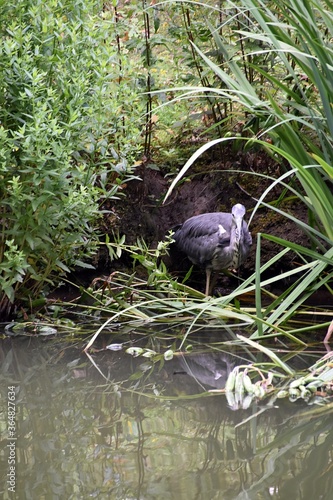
x=64, y=142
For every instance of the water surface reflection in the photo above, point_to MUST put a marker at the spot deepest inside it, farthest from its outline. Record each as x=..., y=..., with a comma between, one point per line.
x=153, y=433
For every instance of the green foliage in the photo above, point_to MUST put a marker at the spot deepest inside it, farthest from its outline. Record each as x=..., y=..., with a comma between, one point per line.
x=286, y=99
x=73, y=118
x=297, y=115
x=151, y=259
x=313, y=385
x=65, y=145
x=13, y=268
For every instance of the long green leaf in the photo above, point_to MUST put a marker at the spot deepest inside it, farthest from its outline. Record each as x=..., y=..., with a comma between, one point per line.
x=268, y=353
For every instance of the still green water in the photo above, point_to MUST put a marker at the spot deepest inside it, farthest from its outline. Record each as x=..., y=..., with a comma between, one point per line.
x=125, y=429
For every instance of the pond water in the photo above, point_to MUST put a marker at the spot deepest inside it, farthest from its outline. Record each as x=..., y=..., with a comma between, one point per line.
x=119, y=427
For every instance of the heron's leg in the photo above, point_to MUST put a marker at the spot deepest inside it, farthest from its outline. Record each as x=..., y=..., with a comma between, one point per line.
x=208, y=275
x=213, y=280
x=210, y=281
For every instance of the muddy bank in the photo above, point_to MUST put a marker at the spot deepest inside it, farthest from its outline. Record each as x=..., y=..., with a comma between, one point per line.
x=213, y=184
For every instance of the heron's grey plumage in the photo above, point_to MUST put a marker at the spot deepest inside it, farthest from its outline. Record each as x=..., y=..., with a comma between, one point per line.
x=215, y=240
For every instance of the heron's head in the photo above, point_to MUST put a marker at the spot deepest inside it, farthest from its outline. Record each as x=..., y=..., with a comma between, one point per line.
x=238, y=212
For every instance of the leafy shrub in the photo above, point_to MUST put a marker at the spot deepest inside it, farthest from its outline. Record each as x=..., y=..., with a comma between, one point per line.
x=64, y=143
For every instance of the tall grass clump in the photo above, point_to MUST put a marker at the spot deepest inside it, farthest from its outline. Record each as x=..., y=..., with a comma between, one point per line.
x=64, y=143
x=274, y=65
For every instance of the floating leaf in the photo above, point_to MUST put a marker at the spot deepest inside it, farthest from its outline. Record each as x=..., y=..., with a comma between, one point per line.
x=168, y=355
x=115, y=347
x=134, y=351
x=47, y=330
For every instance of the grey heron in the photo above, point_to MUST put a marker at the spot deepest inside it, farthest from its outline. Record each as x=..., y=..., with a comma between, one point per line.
x=215, y=241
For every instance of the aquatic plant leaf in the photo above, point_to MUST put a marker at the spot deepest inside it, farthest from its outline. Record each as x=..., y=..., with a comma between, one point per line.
x=269, y=353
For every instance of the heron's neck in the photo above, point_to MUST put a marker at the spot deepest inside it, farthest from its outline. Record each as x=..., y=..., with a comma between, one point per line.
x=235, y=246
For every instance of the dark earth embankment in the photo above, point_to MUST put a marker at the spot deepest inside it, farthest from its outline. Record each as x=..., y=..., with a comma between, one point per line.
x=212, y=184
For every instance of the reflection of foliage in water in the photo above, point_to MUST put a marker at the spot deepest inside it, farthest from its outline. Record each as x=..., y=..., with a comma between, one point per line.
x=79, y=436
